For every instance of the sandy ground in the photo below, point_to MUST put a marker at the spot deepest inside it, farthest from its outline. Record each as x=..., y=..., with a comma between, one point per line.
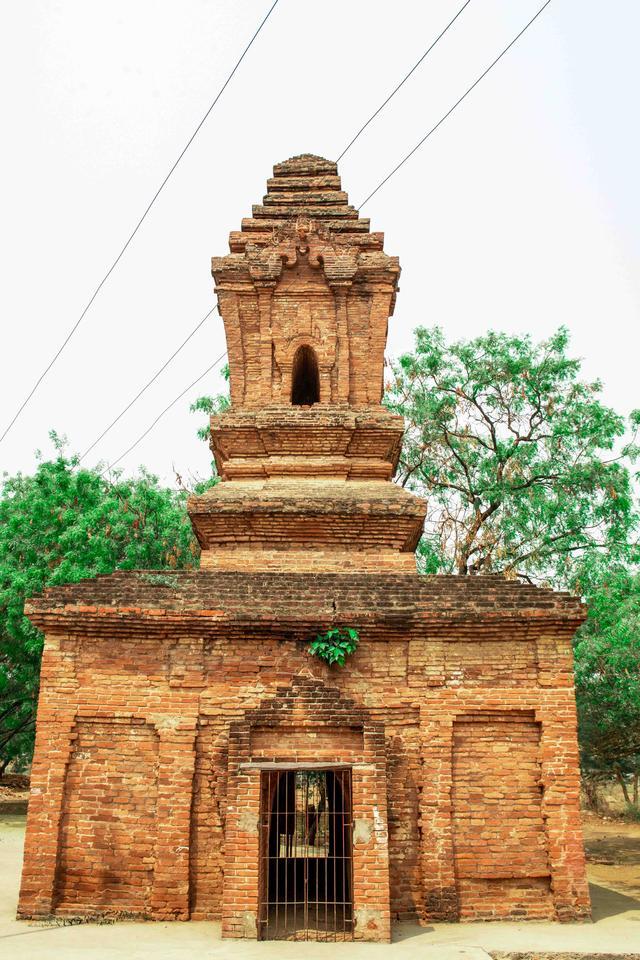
x=14, y=793
x=613, y=853
x=615, y=931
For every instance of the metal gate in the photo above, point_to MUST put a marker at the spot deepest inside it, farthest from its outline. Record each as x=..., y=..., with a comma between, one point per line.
x=306, y=882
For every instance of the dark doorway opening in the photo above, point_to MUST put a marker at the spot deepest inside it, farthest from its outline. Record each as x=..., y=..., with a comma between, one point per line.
x=306, y=886
x=305, y=378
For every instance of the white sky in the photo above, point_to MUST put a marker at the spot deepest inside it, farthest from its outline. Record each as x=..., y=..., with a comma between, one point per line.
x=520, y=214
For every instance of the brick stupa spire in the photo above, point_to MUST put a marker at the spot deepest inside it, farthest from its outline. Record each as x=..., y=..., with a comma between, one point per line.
x=307, y=452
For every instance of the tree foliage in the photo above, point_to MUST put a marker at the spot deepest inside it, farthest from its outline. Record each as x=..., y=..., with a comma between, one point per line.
x=61, y=525
x=527, y=472
x=515, y=454
x=211, y=405
x=607, y=674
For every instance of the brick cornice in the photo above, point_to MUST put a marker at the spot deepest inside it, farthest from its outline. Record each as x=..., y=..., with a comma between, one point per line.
x=208, y=603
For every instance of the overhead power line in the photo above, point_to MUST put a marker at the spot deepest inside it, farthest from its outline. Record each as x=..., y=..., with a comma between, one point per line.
x=404, y=80
x=456, y=104
x=386, y=179
x=148, y=384
x=349, y=145
x=137, y=226
x=161, y=415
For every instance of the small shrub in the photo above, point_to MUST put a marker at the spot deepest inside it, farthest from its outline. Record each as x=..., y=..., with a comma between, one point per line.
x=632, y=813
x=335, y=645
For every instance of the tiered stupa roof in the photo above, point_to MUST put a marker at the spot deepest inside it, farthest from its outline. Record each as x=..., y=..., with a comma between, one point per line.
x=307, y=452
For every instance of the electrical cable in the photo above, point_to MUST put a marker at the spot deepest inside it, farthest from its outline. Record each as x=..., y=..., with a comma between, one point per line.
x=349, y=145
x=137, y=227
x=161, y=415
x=403, y=81
x=147, y=384
x=456, y=104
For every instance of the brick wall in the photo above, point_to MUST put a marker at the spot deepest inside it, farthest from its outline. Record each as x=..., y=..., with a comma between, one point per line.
x=497, y=815
x=478, y=782
x=110, y=801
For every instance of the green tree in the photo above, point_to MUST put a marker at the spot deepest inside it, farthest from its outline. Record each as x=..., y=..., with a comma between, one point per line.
x=607, y=673
x=61, y=525
x=211, y=405
x=524, y=468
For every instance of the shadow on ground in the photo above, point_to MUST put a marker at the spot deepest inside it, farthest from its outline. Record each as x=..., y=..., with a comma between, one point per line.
x=407, y=931
x=610, y=903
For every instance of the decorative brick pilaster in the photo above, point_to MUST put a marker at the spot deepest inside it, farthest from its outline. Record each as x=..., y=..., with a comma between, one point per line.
x=560, y=774
x=46, y=796
x=54, y=738
x=371, y=847
x=176, y=763
x=437, y=854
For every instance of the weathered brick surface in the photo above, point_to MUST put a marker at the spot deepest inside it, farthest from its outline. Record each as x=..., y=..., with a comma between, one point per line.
x=496, y=796
x=207, y=683
x=164, y=695
x=109, y=804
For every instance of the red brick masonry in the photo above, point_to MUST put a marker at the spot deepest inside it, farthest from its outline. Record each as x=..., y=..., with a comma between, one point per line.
x=164, y=694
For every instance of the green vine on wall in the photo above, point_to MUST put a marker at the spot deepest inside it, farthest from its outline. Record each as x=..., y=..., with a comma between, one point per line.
x=335, y=644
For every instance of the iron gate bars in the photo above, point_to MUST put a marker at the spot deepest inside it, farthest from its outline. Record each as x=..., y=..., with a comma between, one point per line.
x=306, y=881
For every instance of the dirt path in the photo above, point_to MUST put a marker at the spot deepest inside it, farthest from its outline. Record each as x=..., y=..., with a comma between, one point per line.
x=499, y=955
x=14, y=794
x=613, y=854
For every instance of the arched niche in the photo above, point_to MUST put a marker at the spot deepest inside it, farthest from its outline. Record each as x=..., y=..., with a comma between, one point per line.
x=305, y=377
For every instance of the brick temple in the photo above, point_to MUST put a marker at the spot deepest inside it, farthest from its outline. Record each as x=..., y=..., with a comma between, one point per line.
x=193, y=760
